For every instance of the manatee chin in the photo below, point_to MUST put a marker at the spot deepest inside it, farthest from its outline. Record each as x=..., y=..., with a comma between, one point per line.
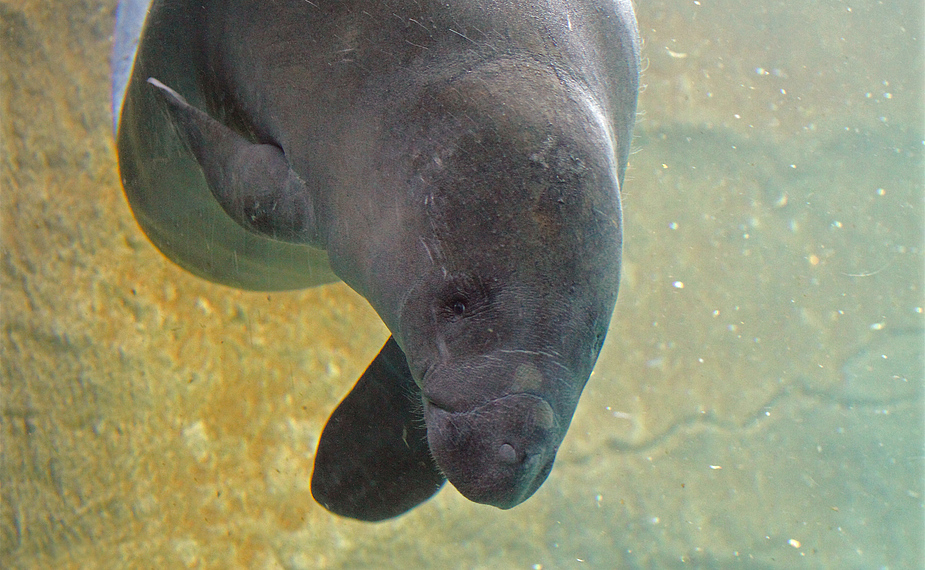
x=498, y=453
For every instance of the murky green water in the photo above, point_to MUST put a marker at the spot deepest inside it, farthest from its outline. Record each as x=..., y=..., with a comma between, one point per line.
x=759, y=400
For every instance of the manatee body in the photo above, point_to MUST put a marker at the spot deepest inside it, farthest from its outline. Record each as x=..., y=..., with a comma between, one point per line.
x=458, y=164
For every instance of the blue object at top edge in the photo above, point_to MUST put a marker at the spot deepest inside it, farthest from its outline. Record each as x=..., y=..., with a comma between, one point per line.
x=130, y=19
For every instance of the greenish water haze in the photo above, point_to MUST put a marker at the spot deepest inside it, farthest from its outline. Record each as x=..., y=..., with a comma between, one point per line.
x=758, y=403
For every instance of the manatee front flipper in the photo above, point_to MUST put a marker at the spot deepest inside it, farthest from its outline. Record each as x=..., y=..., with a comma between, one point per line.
x=373, y=461
x=253, y=182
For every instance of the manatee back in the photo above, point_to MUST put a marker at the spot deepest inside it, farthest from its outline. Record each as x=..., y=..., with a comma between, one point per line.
x=162, y=180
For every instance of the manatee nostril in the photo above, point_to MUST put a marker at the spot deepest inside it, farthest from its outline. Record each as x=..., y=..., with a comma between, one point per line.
x=507, y=454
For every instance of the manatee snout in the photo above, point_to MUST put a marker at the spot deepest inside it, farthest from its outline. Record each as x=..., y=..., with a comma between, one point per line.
x=498, y=453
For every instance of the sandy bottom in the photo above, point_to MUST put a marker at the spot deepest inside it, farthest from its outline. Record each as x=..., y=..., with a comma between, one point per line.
x=759, y=400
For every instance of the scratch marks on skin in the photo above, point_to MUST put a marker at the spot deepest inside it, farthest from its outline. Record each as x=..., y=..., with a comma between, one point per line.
x=491, y=358
x=413, y=21
x=427, y=249
x=555, y=357
x=463, y=36
x=434, y=253
x=434, y=250
x=473, y=42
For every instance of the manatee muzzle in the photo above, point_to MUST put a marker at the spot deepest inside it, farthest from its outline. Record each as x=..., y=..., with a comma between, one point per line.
x=498, y=453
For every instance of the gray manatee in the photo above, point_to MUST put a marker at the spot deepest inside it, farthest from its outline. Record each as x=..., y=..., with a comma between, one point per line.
x=457, y=163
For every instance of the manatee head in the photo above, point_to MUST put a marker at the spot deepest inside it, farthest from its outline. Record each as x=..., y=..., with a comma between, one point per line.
x=510, y=276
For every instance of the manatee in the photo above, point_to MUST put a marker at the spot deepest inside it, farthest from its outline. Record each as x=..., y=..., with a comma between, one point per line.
x=459, y=164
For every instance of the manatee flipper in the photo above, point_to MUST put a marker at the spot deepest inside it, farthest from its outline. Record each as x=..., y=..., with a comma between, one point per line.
x=373, y=461
x=252, y=182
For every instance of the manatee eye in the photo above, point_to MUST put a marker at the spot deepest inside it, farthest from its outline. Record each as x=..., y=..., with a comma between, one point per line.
x=462, y=297
x=458, y=307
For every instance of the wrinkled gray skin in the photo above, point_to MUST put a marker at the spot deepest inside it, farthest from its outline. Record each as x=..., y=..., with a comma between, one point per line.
x=456, y=163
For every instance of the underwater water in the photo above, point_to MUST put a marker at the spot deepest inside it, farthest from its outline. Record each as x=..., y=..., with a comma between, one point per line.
x=758, y=402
